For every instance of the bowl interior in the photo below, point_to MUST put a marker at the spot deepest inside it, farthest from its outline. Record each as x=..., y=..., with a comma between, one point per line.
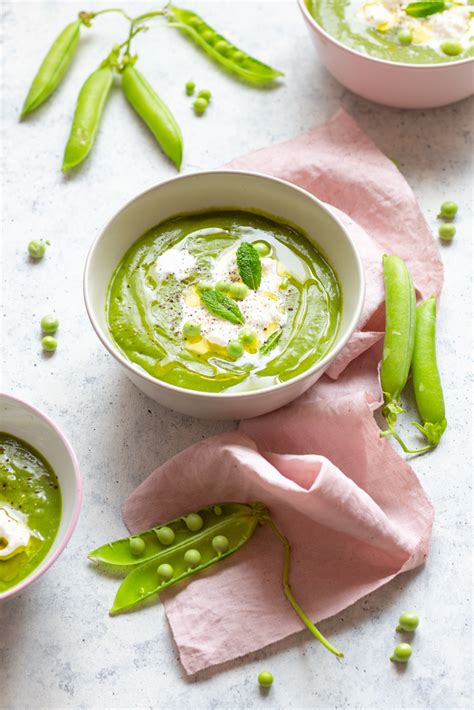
x=220, y=190
x=25, y=422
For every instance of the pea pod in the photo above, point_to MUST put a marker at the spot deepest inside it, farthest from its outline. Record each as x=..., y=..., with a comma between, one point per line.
x=219, y=48
x=87, y=116
x=53, y=68
x=426, y=379
x=154, y=112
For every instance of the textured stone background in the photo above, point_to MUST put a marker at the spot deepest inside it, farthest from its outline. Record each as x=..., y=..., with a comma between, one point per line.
x=58, y=648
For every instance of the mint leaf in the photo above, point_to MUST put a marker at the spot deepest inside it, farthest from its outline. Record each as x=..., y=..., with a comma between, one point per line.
x=271, y=342
x=221, y=306
x=423, y=9
x=248, y=263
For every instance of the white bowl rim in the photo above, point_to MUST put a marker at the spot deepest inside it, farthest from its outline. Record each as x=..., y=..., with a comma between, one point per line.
x=441, y=65
x=137, y=370
x=43, y=567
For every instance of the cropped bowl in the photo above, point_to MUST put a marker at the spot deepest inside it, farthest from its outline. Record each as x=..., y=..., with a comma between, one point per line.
x=23, y=420
x=223, y=189
x=396, y=84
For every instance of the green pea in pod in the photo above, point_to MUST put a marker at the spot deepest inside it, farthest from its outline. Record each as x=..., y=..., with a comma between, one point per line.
x=153, y=111
x=54, y=65
x=89, y=108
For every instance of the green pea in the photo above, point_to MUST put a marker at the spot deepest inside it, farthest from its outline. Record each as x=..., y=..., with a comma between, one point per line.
x=408, y=621
x=217, y=510
x=451, y=48
x=205, y=94
x=405, y=36
x=189, y=87
x=235, y=349
x=238, y=291
x=192, y=558
x=200, y=105
x=137, y=546
x=401, y=653
x=49, y=343
x=36, y=249
x=220, y=544
x=265, y=679
x=238, y=56
x=446, y=232
x=223, y=47
x=195, y=22
x=223, y=286
x=247, y=336
x=165, y=571
x=49, y=324
x=191, y=329
x=165, y=535
x=194, y=522
x=262, y=248
x=448, y=210
x=209, y=36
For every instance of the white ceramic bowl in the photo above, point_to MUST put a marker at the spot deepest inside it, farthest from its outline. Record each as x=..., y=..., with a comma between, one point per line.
x=24, y=421
x=217, y=190
x=391, y=83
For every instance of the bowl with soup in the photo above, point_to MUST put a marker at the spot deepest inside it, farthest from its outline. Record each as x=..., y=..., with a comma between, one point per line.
x=40, y=494
x=224, y=294
x=393, y=52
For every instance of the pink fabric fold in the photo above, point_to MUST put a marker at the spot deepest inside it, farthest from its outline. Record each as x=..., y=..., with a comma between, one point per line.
x=353, y=510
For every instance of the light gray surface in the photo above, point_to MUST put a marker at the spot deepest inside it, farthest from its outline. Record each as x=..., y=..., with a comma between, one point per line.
x=58, y=648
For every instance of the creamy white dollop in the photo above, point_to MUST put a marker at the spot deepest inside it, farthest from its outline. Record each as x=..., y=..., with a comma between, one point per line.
x=178, y=262
x=14, y=532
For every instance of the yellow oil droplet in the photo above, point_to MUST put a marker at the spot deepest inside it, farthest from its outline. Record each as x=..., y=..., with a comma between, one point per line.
x=200, y=346
x=270, y=329
x=271, y=295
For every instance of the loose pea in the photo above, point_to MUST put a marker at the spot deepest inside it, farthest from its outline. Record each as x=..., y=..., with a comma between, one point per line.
x=165, y=571
x=238, y=291
x=262, y=248
x=405, y=36
x=165, y=535
x=247, y=337
x=191, y=330
x=401, y=653
x=446, y=232
x=189, y=87
x=451, y=48
x=223, y=47
x=36, y=249
x=235, y=349
x=223, y=286
x=192, y=558
x=448, y=210
x=137, y=546
x=408, y=621
x=200, y=105
x=193, y=522
x=205, y=94
x=265, y=679
x=49, y=324
x=220, y=544
x=49, y=343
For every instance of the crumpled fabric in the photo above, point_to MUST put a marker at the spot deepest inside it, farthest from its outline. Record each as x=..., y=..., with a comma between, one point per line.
x=353, y=509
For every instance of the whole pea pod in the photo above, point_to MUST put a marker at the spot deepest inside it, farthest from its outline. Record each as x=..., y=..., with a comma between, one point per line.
x=54, y=65
x=426, y=379
x=153, y=110
x=219, y=48
x=89, y=108
x=168, y=554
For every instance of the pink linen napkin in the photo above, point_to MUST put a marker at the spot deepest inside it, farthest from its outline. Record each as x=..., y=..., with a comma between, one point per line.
x=353, y=510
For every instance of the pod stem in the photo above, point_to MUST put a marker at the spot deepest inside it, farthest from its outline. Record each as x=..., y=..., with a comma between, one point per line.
x=391, y=432
x=289, y=594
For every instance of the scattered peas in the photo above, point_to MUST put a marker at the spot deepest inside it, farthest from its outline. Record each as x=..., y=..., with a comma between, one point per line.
x=165, y=535
x=204, y=94
x=223, y=286
x=451, y=48
x=401, y=653
x=235, y=349
x=189, y=87
x=262, y=248
x=247, y=336
x=165, y=571
x=36, y=249
x=192, y=558
x=448, y=210
x=49, y=324
x=408, y=621
x=137, y=546
x=191, y=330
x=405, y=36
x=193, y=522
x=200, y=105
x=238, y=291
x=265, y=679
x=446, y=231
x=49, y=343
x=220, y=544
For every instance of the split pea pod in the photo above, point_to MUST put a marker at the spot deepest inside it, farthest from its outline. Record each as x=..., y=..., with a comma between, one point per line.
x=153, y=111
x=89, y=108
x=219, y=48
x=53, y=68
x=426, y=379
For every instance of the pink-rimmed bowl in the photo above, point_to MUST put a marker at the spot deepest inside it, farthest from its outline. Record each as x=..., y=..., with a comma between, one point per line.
x=391, y=83
x=26, y=422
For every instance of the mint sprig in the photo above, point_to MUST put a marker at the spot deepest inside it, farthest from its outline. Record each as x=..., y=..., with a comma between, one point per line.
x=424, y=9
x=248, y=263
x=271, y=342
x=221, y=306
